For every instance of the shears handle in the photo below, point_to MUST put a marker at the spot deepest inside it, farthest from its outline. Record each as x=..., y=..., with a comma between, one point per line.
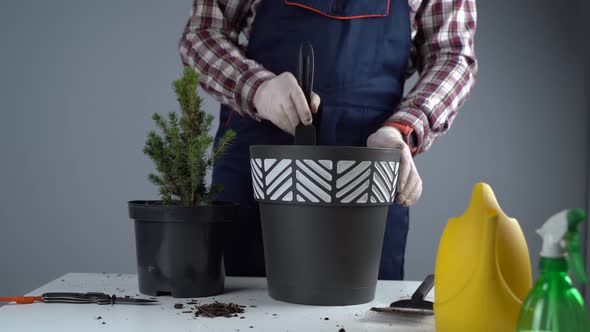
x=98, y=298
x=22, y=299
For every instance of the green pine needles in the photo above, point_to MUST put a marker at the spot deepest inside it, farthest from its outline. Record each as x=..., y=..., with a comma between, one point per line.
x=180, y=152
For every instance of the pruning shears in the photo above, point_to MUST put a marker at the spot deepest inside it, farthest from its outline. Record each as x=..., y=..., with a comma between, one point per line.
x=77, y=298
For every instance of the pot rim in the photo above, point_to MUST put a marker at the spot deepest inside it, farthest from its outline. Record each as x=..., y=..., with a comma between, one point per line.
x=151, y=202
x=334, y=153
x=324, y=147
x=150, y=211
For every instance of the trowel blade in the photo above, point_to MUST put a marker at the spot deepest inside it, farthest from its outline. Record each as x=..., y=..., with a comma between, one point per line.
x=409, y=310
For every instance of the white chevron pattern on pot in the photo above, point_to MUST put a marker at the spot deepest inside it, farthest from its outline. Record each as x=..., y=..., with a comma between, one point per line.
x=384, y=178
x=353, y=181
x=256, y=170
x=313, y=180
x=395, y=168
x=278, y=183
x=324, y=181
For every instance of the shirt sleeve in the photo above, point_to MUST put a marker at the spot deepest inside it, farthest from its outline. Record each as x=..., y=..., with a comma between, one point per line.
x=210, y=45
x=446, y=65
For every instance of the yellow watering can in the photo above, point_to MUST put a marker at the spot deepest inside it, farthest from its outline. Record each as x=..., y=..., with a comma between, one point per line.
x=483, y=269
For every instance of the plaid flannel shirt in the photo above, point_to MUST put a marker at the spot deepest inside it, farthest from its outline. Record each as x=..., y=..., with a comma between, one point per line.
x=442, y=53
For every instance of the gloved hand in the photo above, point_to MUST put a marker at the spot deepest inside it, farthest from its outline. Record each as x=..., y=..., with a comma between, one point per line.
x=409, y=183
x=281, y=101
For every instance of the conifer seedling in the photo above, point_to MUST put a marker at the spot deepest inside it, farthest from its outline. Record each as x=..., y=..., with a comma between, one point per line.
x=180, y=148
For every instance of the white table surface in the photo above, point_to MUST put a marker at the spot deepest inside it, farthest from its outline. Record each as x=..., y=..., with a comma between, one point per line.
x=267, y=315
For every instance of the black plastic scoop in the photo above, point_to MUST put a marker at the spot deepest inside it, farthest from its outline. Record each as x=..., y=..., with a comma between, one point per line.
x=306, y=134
x=417, y=304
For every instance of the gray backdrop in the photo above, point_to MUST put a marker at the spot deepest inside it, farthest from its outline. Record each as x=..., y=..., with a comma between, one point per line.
x=80, y=79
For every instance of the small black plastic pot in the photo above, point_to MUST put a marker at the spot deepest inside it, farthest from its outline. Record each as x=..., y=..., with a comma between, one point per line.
x=323, y=212
x=180, y=248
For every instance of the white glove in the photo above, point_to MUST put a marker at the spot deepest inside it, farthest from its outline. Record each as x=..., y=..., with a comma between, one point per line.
x=281, y=101
x=409, y=183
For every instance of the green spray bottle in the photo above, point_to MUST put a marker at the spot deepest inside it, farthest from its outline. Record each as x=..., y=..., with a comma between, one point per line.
x=554, y=304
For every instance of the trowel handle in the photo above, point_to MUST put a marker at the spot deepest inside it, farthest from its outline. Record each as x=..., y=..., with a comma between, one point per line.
x=424, y=288
x=305, y=70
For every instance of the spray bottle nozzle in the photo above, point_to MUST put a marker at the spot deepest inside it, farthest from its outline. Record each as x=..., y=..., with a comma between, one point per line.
x=574, y=217
x=573, y=244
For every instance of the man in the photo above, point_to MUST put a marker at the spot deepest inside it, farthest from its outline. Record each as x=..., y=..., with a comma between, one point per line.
x=364, y=50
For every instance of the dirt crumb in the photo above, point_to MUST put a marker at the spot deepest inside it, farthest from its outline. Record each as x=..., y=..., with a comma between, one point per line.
x=218, y=309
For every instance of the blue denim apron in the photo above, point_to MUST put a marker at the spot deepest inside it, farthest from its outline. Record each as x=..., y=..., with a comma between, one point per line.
x=361, y=52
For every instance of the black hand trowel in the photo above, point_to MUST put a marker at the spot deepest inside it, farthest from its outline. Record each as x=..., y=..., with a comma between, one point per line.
x=417, y=304
x=306, y=134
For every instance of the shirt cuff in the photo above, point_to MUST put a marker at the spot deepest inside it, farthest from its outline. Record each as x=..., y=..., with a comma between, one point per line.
x=417, y=120
x=246, y=88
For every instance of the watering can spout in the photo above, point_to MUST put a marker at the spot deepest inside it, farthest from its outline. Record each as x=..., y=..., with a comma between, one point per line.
x=483, y=199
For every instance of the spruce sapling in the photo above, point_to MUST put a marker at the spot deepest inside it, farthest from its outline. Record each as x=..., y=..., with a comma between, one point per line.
x=180, y=151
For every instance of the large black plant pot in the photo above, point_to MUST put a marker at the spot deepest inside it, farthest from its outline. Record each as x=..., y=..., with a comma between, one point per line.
x=323, y=211
x=179, y=248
